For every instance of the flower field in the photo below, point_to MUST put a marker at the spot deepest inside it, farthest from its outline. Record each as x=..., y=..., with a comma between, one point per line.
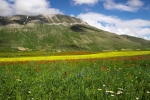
x=112, y=78
x=84, y=56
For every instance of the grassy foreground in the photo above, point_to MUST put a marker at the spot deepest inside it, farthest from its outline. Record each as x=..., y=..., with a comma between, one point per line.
x=88, y=56
x=84, y=77
x=119, y=78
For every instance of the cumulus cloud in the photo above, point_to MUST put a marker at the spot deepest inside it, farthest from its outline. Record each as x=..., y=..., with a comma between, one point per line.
x=27, y=7
x=130, y=5
x=5, y=8
x=134, y=27
x=88, y=2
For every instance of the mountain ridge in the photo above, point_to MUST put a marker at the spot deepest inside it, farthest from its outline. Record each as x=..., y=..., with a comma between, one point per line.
x=60, y=33
x=47, y=19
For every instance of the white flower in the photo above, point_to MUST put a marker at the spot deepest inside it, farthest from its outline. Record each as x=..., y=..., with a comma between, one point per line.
x=29, y=92
x=99, y=89
x=137, y=98
x=110, y=91
x=103, y=84
x=120, y=88
x=32, y=98
x=148, y=92
x=112, y=95
x=119, y=92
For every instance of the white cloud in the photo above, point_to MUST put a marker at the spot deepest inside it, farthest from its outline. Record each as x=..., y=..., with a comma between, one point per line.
x=34, y=7
x=135, y=3
x=146, y=37
x=28, y=7
x=88, y=2
x=134, y=27
x=72, y=15
x=130, y=5
x=5, y=8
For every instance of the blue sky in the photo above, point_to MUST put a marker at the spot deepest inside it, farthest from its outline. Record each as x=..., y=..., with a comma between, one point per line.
x=131, y=17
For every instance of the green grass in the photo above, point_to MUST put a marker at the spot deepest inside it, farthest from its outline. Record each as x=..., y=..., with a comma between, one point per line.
x=90, y=79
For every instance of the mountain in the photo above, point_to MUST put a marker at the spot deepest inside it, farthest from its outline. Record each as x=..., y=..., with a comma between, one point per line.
x=60, y=33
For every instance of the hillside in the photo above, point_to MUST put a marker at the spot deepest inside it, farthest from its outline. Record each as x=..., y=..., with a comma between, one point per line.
x=60, y=33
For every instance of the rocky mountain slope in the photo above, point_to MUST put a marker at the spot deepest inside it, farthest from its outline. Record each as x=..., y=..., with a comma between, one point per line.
x=60, y=33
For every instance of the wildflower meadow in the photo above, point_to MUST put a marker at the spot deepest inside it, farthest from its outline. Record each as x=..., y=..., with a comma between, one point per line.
x=113, y=78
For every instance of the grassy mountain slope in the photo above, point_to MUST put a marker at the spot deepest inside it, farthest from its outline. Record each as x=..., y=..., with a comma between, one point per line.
x=60, y=33
x=143, y=42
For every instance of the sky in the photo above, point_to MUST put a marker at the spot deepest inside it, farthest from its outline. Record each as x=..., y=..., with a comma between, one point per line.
x=130, y=17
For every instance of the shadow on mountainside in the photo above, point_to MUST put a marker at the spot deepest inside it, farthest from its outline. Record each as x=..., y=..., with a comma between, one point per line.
x=81, y=28
x=77, y=28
